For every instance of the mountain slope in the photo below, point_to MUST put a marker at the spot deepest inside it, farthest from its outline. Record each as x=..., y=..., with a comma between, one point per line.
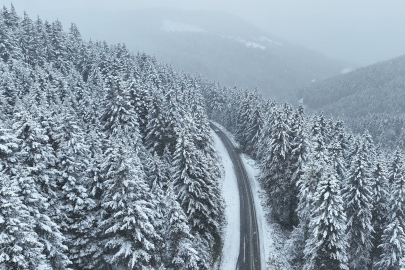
x=370, y=98
x=219, y=46
x=378, y=88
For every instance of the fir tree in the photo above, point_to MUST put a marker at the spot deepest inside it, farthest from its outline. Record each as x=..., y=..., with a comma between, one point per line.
x=128, y=222
x=358, y=196
x=20, y=247
x=196, y=191
x=326, y=247
x=38, y=188
x=380, y=206
x=76, y=219
x=393, y=237
x=276, y=172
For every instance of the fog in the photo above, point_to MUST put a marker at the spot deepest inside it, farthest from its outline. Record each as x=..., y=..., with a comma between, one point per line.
x=362, y=31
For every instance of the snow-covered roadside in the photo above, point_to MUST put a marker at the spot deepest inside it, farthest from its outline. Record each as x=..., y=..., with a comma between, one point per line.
x=230, y=193
x=228, y=134
x=272, y=238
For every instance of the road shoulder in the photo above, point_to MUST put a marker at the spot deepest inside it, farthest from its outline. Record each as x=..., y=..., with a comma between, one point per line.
x=230, y=193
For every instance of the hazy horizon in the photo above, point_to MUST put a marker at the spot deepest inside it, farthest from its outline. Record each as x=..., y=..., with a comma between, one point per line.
x=361, y=32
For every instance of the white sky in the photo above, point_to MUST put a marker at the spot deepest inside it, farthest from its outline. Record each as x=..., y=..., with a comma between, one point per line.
x=359, y=31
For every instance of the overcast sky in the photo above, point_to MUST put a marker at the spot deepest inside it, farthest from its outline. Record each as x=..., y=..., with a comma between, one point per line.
x=359, y=31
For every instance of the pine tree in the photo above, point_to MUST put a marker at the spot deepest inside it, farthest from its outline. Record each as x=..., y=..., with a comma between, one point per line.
x=172, y=111
x=28, y=41
x=8, y=47
x=128, y=223
x=276, y=171
x=76, y=218
x=196, y=191
x=243, y=120
x=254, y=130
x=155, y=124
x=358, y=196
x=298, y=159
x=307, y=184
x=380, y=206
x=179, y=249
x=37, y=180
x=338, y=148
x=119, y=116
x=8, y=148
x=393, y=237
x=20, y=247
x=269, y=121
x=326, y=247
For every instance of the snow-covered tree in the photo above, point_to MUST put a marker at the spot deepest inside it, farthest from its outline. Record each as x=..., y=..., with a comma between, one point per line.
x=393, y=237
x=326, y=246
x=179, y=249
x=276, y=174
x=76, y=219
x=380, y=205
x=358, y=197
x=37, y=180
x=197, y=193
x=20, y=247
x=129, y=212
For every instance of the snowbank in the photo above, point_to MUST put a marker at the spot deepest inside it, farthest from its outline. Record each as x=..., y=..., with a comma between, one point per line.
x=228, y=134
x=272, y=238
x=230, y=193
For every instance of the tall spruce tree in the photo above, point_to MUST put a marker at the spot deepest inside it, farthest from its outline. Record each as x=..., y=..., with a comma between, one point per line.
x=326, y=246
x=20, y=247
x=127, y=228
x=195, y=191
x=276, y=171
x=393, y=237
x=380, y=206
x=37, y=180
x=358, y=196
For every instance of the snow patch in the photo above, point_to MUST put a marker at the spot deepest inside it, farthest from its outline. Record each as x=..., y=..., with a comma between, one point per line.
x=264, y=39
x=230, y=193
x=346, y=70
x=249, y=44
x=170, y=26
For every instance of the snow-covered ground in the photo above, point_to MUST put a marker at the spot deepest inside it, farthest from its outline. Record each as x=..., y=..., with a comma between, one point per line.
x=247, y=43
x=262, y=38
x=230, y=193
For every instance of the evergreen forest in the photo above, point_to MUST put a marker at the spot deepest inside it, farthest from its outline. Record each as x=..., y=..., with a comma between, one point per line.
x=106, y=159
x=107, y=162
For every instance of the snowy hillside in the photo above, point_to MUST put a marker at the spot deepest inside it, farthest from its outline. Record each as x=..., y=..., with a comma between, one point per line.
x=219, y=46
x=97, y=149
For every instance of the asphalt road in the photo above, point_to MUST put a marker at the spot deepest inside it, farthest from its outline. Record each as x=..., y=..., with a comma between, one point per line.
x=249, y=252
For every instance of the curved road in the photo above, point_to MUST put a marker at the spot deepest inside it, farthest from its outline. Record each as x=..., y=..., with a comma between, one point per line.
x=249, y=252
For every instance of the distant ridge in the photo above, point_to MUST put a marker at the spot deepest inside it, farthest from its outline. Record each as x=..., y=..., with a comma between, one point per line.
x=219, y=46
x=379, y=88
x=370, y=99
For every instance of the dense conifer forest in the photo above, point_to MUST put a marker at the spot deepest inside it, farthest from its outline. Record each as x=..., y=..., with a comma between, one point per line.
x=106, y=158
x=338, y=196
x=107, y=162
x=369, y=98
